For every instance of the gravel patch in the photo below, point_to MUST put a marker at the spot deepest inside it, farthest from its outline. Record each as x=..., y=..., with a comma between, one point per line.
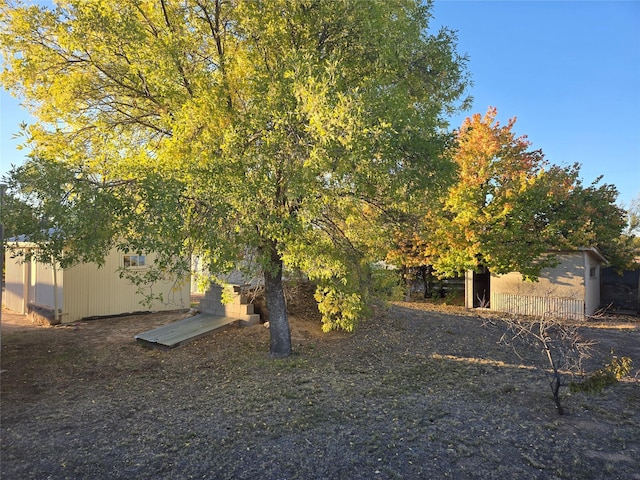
x=417, y=391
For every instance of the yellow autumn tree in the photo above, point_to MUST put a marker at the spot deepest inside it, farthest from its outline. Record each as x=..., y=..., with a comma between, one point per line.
x=509, y=207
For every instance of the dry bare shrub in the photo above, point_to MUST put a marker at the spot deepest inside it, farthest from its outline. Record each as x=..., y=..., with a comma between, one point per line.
x=561, y=344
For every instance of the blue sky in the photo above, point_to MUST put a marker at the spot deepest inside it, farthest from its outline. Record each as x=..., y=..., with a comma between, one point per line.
x=569, y=71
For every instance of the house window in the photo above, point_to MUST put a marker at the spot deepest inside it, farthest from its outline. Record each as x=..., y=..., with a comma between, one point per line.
x=134, y=261
x=593, y=272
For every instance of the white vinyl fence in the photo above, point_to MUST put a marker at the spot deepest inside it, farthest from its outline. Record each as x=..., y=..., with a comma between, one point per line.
x=568, y=308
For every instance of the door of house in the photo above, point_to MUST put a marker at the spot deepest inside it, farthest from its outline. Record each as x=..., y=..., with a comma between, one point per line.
x=481, y=289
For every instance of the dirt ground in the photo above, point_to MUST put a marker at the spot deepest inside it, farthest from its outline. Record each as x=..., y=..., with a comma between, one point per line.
x=418, y=391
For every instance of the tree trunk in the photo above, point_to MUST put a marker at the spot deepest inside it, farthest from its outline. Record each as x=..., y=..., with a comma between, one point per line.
x=278, y=321
x=426, y=272
x=407, y=277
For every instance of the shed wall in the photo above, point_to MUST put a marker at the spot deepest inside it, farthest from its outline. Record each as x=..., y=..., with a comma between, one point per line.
x=91, y=291
x=592, y=274
x=42, y=285
x=566, y=280
x=559, y=291
x=16, y=283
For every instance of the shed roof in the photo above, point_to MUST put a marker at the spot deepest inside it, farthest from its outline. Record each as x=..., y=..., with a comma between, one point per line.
x=595, y=253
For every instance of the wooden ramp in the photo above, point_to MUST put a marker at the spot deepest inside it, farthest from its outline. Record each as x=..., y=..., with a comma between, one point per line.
x=184, y=331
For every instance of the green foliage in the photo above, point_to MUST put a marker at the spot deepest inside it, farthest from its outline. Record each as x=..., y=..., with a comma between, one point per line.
x=609, y=375
x=454, y=298
x=340, y=308
x=386, y=284
x=290, y=131
x=343, y=301
x=202, y=281
x=63, y=209
x=227, y=294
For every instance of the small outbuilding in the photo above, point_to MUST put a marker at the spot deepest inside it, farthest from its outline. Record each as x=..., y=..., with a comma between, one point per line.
x=65, y=295
x=569, y=290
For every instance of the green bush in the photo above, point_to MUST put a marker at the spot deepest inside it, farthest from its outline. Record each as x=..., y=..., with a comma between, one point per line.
x=340, y=309
x=386, y=284
x=604, y=377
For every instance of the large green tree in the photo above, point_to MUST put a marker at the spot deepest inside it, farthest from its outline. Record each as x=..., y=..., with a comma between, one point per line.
x=222, y=127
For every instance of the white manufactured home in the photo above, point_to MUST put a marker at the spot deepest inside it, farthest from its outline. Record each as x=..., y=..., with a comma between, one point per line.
x=569, y=290
x=84, y=290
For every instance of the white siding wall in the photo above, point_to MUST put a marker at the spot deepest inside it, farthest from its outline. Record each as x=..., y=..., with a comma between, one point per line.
x=42, y=283
x=559, y=291
x=91, y=291
x=468, y=289
x=592, y=284
x=16, y=283
x=30, y=282
x=85, y=290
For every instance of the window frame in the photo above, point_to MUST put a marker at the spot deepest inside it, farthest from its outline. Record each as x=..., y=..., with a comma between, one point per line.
x=126, y=260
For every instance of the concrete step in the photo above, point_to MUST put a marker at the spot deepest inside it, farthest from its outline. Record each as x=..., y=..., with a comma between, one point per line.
x=249, y=320
x=230, y=309
x=215, y=296
x=238, y=308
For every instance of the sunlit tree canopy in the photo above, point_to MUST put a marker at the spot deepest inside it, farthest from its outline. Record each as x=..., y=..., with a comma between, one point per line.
x=217, y=127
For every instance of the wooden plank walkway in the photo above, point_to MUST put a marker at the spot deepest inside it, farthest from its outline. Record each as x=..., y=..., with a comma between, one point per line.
x=184, y=331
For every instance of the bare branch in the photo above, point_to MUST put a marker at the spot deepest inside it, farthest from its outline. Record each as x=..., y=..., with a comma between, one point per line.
x=561, y=345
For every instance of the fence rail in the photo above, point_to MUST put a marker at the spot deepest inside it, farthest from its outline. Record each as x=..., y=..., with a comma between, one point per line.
x=568, y=308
